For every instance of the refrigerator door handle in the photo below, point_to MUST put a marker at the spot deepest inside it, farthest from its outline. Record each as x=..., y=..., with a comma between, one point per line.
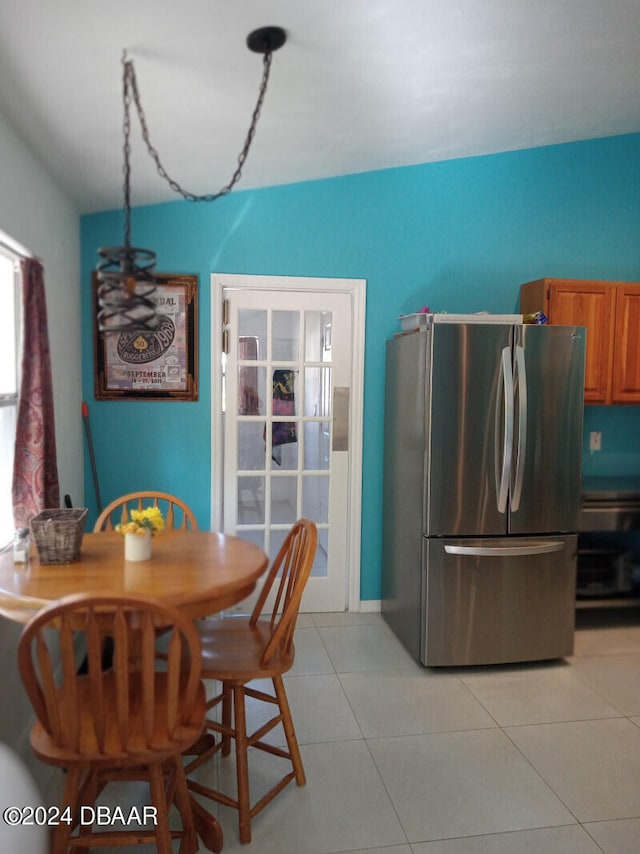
x=521, y=374
x=503, y=478
x=505, y=551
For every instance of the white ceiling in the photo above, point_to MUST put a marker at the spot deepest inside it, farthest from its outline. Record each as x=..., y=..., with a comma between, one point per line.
x=359, y=85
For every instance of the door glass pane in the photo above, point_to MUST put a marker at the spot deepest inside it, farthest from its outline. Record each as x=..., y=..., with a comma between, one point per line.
x=284, y=499
x=284, y=392
x=317, y=336
x=250, y=500
x=251, y=390
x=256, y=537
x=252, y=334
x=284, y=434
x=251, y=449
x=320, y=563
x=317, y=392
x=276, y=540
x=285, y=333
x=316, y=445
x=315, y=498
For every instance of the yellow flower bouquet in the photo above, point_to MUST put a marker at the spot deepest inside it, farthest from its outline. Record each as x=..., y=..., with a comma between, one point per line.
x=140, y=521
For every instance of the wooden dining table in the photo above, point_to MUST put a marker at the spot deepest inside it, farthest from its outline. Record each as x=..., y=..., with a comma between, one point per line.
x=199, y=572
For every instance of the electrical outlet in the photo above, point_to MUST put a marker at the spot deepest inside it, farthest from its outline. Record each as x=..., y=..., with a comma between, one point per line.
x=595, y=440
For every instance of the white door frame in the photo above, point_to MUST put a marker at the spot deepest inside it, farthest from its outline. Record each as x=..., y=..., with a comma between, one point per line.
x=356, y=288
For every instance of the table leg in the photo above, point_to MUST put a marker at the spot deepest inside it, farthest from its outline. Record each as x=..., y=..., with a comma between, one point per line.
x=207, y=827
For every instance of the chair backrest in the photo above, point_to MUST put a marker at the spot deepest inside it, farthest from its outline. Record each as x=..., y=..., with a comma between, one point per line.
x=292, y=568
x=89, y=711
x=177, y=514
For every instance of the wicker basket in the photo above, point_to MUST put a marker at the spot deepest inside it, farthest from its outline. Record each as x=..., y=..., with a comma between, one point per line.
x=58, y=534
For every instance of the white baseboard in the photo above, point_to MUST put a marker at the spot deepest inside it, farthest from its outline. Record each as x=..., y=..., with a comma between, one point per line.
x=370, y=606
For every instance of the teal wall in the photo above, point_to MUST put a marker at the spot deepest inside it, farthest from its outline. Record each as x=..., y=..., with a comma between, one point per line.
x=620, y=428
x=459, y=236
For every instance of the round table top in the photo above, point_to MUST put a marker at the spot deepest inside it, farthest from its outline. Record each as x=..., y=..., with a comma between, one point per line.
x=200, y=572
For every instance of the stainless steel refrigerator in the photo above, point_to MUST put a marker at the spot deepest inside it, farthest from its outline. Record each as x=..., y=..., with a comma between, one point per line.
x=483, y=443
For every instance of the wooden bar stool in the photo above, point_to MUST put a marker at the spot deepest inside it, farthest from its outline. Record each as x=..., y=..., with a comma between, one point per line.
x=236, y=650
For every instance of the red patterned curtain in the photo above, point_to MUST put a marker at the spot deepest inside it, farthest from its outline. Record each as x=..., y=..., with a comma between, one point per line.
x=35, y=467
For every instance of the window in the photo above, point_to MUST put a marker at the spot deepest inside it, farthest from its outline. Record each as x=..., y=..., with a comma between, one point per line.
x=9, y=361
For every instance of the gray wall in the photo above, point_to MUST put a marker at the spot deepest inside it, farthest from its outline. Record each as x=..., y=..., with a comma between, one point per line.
x=36, y=214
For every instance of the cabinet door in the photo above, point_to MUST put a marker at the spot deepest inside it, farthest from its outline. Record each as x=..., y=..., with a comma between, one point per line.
x=626, y=349
x=573, y=303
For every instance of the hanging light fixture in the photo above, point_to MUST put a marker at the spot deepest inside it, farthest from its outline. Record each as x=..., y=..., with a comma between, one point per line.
x=125, y=273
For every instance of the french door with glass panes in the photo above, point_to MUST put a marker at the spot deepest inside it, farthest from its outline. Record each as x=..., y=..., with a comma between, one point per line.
x=286, y=390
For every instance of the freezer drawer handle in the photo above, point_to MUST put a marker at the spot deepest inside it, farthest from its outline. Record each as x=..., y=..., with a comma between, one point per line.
x=505, y=551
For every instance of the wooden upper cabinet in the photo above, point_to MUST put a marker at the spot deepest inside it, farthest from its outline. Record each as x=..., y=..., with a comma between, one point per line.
x=611, y=313
x=626, y=345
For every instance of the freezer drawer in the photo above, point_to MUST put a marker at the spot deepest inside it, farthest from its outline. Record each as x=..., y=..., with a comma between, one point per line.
x=492, y=601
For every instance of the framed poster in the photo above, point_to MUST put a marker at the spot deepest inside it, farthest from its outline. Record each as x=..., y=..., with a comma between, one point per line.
x=159, y=364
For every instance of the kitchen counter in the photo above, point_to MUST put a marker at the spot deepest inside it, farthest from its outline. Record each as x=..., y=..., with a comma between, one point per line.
x=623, y=484
x=610, y=504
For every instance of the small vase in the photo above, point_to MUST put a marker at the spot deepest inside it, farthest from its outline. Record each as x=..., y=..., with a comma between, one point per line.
x=137, y=546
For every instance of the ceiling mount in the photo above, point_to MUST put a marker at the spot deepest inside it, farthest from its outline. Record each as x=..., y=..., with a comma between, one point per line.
x=266, y=39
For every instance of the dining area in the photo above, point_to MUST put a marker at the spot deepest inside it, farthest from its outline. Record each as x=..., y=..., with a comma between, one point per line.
x=136, y=676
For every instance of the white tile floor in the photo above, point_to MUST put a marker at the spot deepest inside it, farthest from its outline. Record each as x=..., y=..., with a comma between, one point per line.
x=528, y=759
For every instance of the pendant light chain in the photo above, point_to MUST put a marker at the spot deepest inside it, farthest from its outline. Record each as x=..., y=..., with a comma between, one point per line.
x=128, y=76
x=125, y=279
x=131, y=93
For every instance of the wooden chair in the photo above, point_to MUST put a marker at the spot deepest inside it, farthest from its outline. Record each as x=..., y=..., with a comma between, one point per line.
x=127, y=722
x=177, y=514
x=236, y=650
